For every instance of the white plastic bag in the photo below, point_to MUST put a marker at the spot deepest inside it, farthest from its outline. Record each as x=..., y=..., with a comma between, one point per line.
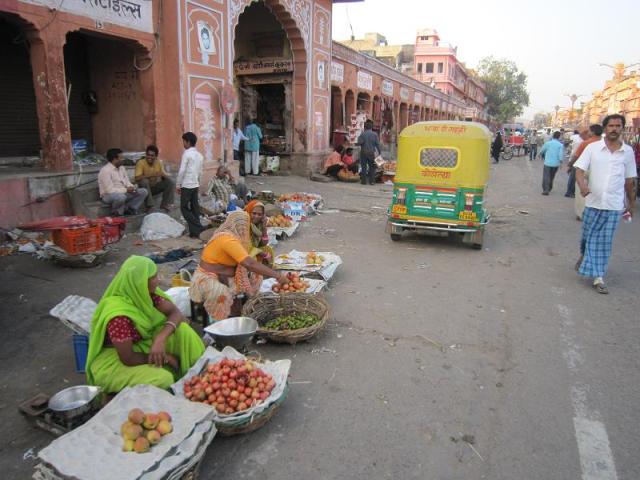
x=160, y=226
x=180, y=296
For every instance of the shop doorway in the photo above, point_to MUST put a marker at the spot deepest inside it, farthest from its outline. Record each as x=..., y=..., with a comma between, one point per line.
x=19, y=130
x=264, y=66
x=105, y=93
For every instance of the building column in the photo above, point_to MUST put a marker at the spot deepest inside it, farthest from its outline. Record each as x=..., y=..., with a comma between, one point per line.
x=49, y=82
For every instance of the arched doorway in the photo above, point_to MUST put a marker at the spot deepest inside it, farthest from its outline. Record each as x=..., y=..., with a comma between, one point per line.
x=104, y=85
x=376, y=114
x=273, y=86
x=363, y=104
x=416, y=114
x=337, y=115
x=404, y=116
x=349, y=107
x=20, y=133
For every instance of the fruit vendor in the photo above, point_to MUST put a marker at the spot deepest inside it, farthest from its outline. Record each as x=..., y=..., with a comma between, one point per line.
x=138, y=336
x=260, y=249
x=226, y=269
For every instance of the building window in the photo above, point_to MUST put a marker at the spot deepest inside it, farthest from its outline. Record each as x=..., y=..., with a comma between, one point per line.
x=440, y=67
x=439, y=157
x=428, y=68
x=419, y=68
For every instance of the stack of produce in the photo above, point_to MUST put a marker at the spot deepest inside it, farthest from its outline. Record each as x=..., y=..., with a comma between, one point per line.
x=143, y=430
x=261, y=401
x=230, y=386
x=295, y=284
x=279, y=221
x=292, y=322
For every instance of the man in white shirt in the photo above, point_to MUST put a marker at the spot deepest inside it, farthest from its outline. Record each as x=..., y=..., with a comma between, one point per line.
x=188, y=183
x=612, y=171
x=116, y=189
x=238, y=136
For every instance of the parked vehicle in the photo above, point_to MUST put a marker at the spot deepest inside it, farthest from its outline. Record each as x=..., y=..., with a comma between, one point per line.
x=441, y=179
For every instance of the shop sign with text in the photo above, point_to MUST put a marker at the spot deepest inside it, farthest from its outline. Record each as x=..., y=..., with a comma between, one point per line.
x=404, y=93
x=136, y=14
x=387, y=88
x=337, y=72
x=264, y=65
x=365, y=81
x=417, y=98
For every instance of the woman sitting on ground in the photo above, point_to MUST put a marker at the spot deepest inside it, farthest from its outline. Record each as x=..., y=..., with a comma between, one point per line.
x=260, y=249
x=138, y=336
x=349, y=162
x=226, y=269
x=333, y=164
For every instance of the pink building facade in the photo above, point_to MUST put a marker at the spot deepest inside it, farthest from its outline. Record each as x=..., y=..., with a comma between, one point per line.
x=436, y=64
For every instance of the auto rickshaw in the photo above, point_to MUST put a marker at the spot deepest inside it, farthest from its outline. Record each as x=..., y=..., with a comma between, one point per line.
x=441, y=178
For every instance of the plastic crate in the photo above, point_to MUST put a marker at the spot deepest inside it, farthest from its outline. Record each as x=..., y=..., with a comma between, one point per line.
x=80, y=351
x=112, y=228
x=76, y=241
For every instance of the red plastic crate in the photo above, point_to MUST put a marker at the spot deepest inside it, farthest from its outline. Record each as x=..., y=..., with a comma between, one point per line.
x=76, y=241
x=112, y=229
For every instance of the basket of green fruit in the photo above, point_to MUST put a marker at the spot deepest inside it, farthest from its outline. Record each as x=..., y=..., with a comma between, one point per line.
x=289, y=318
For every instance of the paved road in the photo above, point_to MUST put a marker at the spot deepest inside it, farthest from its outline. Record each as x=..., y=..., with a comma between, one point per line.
x=439, y=362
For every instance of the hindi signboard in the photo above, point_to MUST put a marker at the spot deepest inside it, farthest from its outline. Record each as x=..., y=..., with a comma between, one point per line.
x=365, y=80
x=337, y=72
x=387, y=88
x=263, y=65
x=136, y=14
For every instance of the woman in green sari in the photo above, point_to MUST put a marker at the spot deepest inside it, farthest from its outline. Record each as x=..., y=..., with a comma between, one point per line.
x=138, y=336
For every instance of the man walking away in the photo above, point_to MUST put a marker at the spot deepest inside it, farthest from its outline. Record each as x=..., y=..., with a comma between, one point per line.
x=188, y=183
x=612, y=172
x=252, y=148
x=533, y=145
x=552, y=152
x=575, y=145
x=369, y=143
x=238, y=137
x=151, y=175
x=116, y=189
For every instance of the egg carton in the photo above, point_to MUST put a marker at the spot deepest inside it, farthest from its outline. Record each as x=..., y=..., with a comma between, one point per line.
x=93, y=451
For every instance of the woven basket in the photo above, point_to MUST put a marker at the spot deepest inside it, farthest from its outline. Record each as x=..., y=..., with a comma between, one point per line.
x=265, y=307
x=254, y=422
x=345, y=176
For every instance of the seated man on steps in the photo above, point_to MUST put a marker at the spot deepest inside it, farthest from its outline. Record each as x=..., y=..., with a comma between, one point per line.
x=151, y=175
x=116, y=189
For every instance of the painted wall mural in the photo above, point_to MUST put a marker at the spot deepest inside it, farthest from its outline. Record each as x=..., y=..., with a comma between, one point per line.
x=204, y=35
x=204, y=109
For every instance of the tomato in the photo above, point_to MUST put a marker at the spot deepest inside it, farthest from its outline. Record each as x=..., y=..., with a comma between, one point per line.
x=248, y=391
x=233, y=403
x=264, y=395
x=225, y=392
x=220, y=407
x=220, y=400
x=216, y=386
x=188, y=394
x=255, y=394
x=232, y=384
x=208, y=390
x=224, y=378
x=242, y=406
x=242, y=397
x=211, y=398
x=234, y=394
x=233, y=374
x=260, y=386
x=228, y=410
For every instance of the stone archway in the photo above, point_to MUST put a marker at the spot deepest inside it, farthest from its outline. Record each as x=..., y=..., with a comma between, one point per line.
x=349, y=106
x=296, y=23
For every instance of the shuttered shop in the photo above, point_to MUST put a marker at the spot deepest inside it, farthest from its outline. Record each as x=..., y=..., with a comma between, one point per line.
x=19, y=135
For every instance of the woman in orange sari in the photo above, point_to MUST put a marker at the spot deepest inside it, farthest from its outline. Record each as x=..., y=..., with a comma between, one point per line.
x=226, y=269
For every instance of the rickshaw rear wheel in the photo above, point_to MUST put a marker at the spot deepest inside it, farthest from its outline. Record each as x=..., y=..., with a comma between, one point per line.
x=396, y=237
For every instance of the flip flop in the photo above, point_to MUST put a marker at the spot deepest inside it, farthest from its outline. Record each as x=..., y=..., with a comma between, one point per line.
x=601, y=288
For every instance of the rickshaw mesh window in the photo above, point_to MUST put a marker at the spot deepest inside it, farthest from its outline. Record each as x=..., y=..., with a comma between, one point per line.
x=439, y=157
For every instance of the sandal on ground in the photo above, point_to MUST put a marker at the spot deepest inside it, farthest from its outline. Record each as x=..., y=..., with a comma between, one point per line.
x=601, y=288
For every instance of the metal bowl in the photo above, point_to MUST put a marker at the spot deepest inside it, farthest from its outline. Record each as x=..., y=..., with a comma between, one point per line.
x=235, y=332
x=74, y=401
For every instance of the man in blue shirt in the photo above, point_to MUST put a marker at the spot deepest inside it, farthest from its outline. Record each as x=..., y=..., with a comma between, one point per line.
x=552, y=152
x=252, y=148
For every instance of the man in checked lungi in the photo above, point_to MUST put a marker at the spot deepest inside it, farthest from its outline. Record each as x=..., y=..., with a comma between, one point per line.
x=612, y=172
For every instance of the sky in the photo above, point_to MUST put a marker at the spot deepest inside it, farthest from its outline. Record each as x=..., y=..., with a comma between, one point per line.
x=558, y=44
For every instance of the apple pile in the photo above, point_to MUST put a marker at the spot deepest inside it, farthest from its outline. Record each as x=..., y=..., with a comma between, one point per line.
x=142, y=430
x=295, y=284
x=230, y=386
x=279, y=221
x=297, y=197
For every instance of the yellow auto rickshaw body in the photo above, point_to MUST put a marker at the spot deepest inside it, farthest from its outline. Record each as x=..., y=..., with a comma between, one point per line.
x=441, y=176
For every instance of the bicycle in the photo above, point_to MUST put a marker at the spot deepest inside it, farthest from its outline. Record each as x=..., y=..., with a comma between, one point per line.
x=506, y=153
